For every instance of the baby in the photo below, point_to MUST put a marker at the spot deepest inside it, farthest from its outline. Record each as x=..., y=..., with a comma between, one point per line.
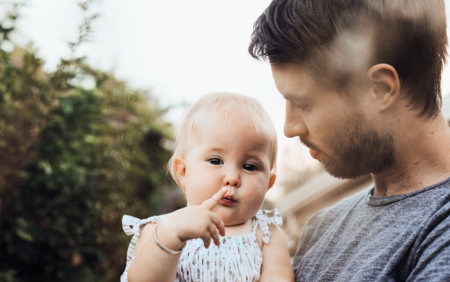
x=224, y=160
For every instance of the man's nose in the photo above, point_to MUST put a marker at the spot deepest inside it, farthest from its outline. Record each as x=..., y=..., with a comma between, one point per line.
x=294, y=124
x=232, y=178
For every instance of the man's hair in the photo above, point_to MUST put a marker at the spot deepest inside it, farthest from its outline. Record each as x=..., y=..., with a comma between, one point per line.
x=339, y=40
x=224, y=105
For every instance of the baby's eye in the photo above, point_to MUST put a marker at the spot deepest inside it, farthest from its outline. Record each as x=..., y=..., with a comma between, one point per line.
x=249, y=167
x=215, y=161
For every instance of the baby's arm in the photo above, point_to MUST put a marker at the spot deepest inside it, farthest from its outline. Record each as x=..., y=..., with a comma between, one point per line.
x=151, y=263
x=150, y=258
x=276, y=266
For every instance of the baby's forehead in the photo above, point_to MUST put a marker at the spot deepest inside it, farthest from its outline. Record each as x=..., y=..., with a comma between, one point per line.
x=233, y=122
x=233, y=125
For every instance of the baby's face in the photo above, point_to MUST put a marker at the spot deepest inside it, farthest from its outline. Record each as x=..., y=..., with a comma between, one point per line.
x=228, y=152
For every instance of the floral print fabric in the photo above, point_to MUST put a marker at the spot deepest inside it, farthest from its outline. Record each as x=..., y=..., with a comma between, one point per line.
x=238, y=258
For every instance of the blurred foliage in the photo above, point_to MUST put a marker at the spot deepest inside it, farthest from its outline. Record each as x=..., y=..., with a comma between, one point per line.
x=78, y=149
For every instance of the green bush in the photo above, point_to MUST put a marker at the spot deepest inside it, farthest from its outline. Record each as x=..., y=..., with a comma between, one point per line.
x=74, y=160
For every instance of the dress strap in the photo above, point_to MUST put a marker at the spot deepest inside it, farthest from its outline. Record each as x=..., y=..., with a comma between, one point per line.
x=132, y=225
x=266, y=218
x=255, y=225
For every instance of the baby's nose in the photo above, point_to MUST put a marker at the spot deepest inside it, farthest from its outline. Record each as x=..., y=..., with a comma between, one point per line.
x=232, y=179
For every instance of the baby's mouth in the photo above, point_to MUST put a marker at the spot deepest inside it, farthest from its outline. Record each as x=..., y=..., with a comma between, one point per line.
x=227, y=201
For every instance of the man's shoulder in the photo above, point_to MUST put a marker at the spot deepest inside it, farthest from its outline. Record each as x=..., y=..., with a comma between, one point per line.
x=413, y=228
x=324, y=218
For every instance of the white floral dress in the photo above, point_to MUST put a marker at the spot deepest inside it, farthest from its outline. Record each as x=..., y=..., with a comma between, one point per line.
x=238, y=258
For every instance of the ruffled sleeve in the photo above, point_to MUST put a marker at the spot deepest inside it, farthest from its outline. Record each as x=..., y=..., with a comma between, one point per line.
x=133, y=226
x=266, y=218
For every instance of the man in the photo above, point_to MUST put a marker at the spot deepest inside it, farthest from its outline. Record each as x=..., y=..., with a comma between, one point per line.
x=361, y=79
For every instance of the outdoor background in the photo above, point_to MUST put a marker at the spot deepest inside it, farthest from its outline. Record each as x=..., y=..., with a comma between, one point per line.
x=88, y=94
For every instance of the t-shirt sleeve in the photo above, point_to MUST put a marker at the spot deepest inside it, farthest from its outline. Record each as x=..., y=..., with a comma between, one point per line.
x=432, y=259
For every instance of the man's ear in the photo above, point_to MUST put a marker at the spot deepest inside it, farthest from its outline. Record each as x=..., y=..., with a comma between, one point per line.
x=272, y=180
x=386, y=85
x=180, y=169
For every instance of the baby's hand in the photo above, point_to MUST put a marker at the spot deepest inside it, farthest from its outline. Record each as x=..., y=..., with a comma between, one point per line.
x=198, y=221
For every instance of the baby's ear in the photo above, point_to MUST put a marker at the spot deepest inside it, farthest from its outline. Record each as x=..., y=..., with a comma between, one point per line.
x=179, y=165
x=272, y=180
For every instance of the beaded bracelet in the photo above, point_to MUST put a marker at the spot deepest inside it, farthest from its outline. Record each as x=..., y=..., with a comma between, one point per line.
x=163, y=247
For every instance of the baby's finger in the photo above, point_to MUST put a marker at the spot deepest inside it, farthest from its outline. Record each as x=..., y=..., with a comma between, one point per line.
x=206, y=241
x=218, y=223
x=214, y=234
x=214, y=200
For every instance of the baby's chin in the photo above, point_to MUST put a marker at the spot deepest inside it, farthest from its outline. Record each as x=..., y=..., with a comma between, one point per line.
x=230, y=219
x=234, y=223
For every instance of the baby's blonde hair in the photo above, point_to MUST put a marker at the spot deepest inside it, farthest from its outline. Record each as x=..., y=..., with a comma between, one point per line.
x=221, y=104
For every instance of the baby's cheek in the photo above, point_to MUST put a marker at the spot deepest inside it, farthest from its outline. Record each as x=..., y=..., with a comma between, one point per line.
x=198, y=190
x=255, y=200
x=196, y=197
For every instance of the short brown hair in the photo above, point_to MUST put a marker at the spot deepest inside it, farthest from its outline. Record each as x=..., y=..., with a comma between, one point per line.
x=328, y=37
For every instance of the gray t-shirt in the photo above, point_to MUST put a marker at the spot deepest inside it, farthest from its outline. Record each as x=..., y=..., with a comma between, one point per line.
x=367, y=238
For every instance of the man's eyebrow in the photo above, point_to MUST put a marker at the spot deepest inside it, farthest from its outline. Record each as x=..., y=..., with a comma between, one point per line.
x=286, y=95
x=297, y=97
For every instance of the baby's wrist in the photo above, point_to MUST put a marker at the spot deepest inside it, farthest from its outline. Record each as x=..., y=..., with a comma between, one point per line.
x=168, y=237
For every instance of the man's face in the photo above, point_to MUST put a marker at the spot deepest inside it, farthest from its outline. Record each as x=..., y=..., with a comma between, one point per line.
x=341, y=133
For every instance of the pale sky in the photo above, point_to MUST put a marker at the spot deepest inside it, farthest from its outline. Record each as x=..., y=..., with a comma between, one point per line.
x=178, y=49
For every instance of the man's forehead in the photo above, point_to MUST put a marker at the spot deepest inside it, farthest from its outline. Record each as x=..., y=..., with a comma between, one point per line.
x=290, y=72
x=291, y=68
x=292, y=80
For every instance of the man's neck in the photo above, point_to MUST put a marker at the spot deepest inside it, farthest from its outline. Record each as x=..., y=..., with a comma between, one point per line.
x=422, y=159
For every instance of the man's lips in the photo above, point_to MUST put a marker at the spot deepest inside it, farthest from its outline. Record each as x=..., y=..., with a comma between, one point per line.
x=315, y=154
x=227, y=201
x=312, y=149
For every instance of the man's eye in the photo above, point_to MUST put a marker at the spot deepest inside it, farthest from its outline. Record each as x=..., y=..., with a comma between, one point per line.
x=249, y=167
x=215, y=161
x=301, y=107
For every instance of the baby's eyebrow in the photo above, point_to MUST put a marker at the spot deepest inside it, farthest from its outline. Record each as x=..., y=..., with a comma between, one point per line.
x=256, y=156
x=216, y=149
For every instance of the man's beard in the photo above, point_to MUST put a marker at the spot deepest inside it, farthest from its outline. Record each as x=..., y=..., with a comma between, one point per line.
x=357, y=150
